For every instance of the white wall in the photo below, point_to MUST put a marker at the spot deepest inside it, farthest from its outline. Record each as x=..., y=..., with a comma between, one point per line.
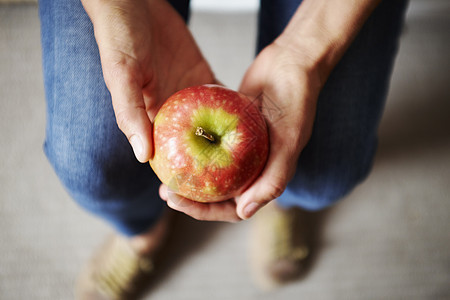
x=224, y=5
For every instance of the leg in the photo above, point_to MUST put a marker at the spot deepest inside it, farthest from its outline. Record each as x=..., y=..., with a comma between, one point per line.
x=83, y=143
x=92, y=157
x=343, y=144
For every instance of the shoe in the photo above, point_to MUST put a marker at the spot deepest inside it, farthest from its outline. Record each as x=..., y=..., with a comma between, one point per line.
x=115, y=272
x=280, y=245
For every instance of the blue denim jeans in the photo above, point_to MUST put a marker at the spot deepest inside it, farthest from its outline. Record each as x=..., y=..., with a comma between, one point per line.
x=95, y=162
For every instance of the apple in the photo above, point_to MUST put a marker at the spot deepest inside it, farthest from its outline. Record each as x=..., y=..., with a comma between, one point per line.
x=210, y=143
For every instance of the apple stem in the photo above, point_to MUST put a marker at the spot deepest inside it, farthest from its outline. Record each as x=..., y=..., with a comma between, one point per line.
x=201, y=132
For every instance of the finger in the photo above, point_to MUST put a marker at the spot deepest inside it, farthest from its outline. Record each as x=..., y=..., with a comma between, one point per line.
x=270, y=185
x=131, y=114
x=163, y=192
x=219, y=211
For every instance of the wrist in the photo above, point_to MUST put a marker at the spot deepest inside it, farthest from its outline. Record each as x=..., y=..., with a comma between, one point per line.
x=321, y=31
x=310, y=54
x=93, y=7
x=98, y=8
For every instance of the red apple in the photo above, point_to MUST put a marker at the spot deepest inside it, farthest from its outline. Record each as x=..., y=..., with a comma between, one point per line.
x=210, y=143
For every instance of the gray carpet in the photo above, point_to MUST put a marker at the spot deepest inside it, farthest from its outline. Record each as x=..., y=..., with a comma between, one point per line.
x=389, y=239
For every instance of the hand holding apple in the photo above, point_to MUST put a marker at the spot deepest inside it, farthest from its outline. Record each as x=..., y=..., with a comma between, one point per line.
x=293, y=88
x=210, y=143
x=139, y=44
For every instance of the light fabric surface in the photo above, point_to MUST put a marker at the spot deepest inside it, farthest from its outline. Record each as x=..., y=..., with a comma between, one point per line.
x=388, y=240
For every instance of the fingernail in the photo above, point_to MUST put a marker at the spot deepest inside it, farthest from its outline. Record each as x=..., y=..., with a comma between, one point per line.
x=250, y=209
x=138, y=148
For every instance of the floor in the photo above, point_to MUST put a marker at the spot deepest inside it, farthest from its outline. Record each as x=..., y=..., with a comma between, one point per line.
x=389, y=239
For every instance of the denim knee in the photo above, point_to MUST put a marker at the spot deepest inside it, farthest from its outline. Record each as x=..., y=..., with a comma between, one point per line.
x=106, y=180
x=90, y=174
x=321, y=182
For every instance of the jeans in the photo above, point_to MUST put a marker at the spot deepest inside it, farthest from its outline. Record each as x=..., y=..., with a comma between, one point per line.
x=96, y=164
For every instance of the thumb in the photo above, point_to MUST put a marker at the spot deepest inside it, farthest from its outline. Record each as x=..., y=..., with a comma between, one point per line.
x=131, y=115
x=269, y=186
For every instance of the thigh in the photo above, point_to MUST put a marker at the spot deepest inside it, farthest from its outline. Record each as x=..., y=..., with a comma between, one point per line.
x=343, y=143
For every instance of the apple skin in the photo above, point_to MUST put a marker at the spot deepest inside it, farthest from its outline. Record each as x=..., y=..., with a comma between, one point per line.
x=197, y=168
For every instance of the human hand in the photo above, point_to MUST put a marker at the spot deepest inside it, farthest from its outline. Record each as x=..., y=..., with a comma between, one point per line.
x=147, y=54
x=289, y=75
x=281, y=78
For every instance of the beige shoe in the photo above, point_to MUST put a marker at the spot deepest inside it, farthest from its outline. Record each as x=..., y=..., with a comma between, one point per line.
x=115, y=272
x=279, y=245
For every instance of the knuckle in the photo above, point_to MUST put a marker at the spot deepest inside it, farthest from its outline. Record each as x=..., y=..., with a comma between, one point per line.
x=275, y=189
x=206, y=213
x=123, y=121
x=201, y=216
x=114, y=72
